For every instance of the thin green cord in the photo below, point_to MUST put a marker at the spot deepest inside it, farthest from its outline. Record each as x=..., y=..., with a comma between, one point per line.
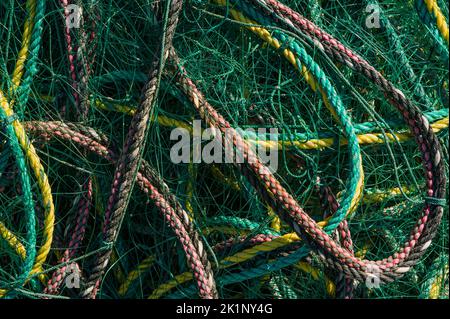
x=400, y=54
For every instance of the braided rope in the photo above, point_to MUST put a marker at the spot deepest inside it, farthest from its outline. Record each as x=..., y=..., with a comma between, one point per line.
x=345, y=261
x=344, y=285
x=129, y=161
x=281, y=289
x=441, y=22
x=19, y=68
x=63, y=131
x=43, y=184
x=263, y=245
x=428, y=144
x=86, y=59
x=71, y=55
x=333, y=245
x=435, y=278
x=315, y=77
x=427, y=19
x=31, y=64
x=83, y=204
x=26, y=252
x=30, y=47
x=147, y=180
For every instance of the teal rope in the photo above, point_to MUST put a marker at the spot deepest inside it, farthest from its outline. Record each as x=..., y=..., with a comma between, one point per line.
x=23, y=93
x=304, y=58
x=256, y=272
x=281, y=288
x=435, y=270
x=360, y=128
x=428, y=20
x=31, y=64
x=347, y=126
x=241, y=224
x=30, y=222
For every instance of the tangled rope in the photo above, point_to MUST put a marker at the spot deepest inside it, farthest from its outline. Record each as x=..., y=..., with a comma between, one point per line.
x=357, y=206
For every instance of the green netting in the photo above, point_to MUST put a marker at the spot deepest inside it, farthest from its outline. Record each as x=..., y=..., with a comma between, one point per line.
x=253, y=86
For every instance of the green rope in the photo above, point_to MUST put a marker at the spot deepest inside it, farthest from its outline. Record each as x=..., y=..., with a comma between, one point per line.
x=360, y=128
x=30, y=223
x=428, y=20
x=240, y=224
x=31, y=64
x=335, y=101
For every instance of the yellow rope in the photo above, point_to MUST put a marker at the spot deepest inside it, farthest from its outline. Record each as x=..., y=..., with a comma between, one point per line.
x=249, y=253
x=239, y=257
x=380, y=195
x=363, y=139
x=435, y=289
x=12, y=241
x=290, y=56
x=276, y=220
x=134, y=274
x=187, y=276
x=253, y=251
x=441, y=22
x=161, y=119
x=227, y=180
x=118, y=273
x=228, y=230
x=313, y=144
x=98, y=210
x=264, y=34
x=190, y=190
x=24, y=50
x=30, y=152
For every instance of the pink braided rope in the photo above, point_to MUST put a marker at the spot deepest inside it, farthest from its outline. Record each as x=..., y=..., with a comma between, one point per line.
x=77, y=237
x=71, y=56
